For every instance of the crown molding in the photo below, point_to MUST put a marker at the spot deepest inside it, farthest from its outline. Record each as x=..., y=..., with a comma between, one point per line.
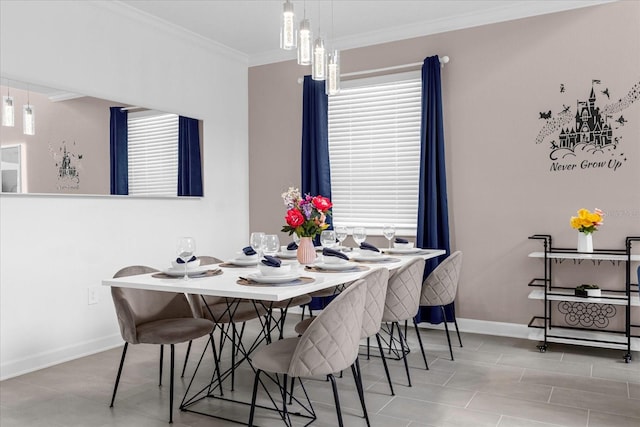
x=507, y=12
x=143, y=18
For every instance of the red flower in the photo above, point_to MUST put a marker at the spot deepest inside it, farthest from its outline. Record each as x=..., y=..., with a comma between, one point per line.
x=322, y=203
x=294, y=218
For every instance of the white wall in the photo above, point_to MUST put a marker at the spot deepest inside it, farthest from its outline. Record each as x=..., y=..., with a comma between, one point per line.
x=53, y=248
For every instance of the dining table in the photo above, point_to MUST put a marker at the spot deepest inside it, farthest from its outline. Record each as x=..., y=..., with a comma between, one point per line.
x=234, y=283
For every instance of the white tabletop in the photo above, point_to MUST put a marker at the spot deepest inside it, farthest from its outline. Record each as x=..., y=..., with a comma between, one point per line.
x=225, y=284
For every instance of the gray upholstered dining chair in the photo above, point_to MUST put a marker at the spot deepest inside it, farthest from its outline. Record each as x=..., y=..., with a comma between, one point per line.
x=402, y=303
x=154, y=317
x=226, y=314
x=330, y=344
x=376, y=282
x=441, y=287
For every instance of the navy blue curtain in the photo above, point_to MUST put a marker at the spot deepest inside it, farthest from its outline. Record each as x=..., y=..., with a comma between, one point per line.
x=433, y=219
x=118, y=141
x=316, y=176
x=189, y=162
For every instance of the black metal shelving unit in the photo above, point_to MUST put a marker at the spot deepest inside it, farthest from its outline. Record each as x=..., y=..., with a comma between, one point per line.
x=586, y=317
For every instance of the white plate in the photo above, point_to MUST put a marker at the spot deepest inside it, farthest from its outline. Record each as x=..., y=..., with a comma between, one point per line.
x=377, y=257
x=403, y=250
x=287, y=255
x=244, y=262
x=191, y=272
x=258, y=277
x=336, y=266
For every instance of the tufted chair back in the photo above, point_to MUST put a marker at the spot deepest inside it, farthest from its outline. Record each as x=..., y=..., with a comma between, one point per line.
x=330, y=343
x=403, y=292
x=441, y=286
x=376, y=282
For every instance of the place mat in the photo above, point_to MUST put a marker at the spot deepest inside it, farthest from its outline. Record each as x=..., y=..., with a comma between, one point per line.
x=299, y=281
x=351, y=270
x=208, y=273
x=229, y=265
x=382, y=261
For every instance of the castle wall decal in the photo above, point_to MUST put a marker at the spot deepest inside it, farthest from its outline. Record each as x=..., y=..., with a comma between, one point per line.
x=591, y=137
x=68, y=166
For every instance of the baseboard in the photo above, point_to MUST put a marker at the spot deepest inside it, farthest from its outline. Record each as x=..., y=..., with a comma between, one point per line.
x=45, y=359
x=473, y=326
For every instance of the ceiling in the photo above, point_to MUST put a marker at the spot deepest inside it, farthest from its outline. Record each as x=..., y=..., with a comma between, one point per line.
x=251, y=27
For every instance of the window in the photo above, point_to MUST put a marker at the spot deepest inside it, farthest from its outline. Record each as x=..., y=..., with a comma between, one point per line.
x=153, y=153
x=374, y=150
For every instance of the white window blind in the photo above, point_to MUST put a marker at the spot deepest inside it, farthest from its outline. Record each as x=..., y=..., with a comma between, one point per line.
x=374, y=150
x=153, y=153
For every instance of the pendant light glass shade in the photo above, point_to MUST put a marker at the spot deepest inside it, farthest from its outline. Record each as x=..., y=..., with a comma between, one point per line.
x=319, y=66
x=8, y=111
x=28, y=120
x=333, y=73
x=304, y=44
x=288, y=33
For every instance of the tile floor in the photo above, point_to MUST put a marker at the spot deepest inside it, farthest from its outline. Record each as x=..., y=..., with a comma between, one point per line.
x=494, y=381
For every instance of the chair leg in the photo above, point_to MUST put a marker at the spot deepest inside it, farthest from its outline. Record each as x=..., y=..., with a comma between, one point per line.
x=446, y=328
x=186, y=358
x=173, y=352
x=253, y=398
x=424, y=357
x=293, y=383
x=455, y=322
x=404, y=354
x=233, y=356
x=115, y=386
x=216, y=362
x=161, y=363
x=357, y=376
x=384, y=363
x=284, y=396
x=336, y=398
x=368, y=345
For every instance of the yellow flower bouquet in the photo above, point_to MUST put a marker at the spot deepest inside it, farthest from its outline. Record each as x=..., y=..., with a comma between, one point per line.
x=587, y=222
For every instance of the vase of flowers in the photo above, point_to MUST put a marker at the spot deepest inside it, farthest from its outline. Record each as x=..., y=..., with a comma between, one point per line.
x=306, y=216
x=586, y=223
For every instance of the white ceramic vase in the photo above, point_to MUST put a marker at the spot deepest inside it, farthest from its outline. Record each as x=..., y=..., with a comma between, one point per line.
x=585, y=242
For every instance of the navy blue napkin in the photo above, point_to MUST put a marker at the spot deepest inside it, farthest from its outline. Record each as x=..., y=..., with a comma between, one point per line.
x=248, y=251
x=271, y=261
x=180, y=261
x=368, y=247
x=292, y=246
x=401, y=240
x=333, y=252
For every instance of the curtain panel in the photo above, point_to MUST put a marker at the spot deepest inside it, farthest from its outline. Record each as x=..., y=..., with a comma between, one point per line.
x=189, y=159
x=433, y=212
x=118, y=143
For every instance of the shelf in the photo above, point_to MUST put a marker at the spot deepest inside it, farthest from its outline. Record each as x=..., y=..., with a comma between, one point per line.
x=582, y=257
x=569, y=296
x=585, y=338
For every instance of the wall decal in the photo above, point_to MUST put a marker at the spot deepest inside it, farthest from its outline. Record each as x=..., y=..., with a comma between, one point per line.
x=68, y=165
x=588, y=135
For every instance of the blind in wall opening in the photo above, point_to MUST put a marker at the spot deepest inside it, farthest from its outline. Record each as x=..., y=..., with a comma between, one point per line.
x=374, y=147
x=153, y=154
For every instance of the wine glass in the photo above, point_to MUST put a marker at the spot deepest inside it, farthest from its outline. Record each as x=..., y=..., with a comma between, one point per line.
x=271, y=244
x=185, y=249
x=296, y=238
x=389, y=231
x=257, y=241
x=341, y=233
x=359, y=235
x=328, y=238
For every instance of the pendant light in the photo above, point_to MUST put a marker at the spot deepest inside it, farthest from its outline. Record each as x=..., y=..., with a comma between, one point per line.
x=333, y=73
x=319, y=65
x=332, y=86
x=304, y=44
x=288, y=34
x=8, y=111
x=28, y=118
